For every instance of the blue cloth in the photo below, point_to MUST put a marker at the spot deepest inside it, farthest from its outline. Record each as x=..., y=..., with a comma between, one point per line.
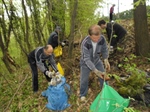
x=57, y=96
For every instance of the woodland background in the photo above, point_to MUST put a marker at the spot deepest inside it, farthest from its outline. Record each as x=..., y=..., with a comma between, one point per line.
x=27, y=24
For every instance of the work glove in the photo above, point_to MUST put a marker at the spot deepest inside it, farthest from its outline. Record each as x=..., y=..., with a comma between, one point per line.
x=102, y=75
x=58, y=76
x=107, y=65
x=52, y=82
x=50, y=74
x=55, y=80
x=63, y=44
x=111, y=50
x=99, y=73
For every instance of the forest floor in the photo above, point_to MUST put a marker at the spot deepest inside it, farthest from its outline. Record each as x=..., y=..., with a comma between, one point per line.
x=73, y=80
x=17, y=90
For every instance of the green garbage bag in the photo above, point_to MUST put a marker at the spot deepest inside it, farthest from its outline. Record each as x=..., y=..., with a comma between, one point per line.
x=108, y=100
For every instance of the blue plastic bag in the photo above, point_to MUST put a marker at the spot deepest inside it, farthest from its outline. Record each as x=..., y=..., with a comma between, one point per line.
x=57, y=96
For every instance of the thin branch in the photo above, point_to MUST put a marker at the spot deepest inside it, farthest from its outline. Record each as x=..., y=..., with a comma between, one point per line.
x=15, y=93
x=8, y=82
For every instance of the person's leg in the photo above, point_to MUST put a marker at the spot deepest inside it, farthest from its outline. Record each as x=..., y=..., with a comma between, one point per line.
x=110, y=17
x=34, y=77
x=84, y=80
x=34, y=71
x=113, y=41
x=100, y=67
x=121, y=38
x=114, y=44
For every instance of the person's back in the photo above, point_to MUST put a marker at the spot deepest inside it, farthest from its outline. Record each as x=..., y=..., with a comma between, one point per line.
x=53, y=39
x=118, y=30
x=115, y=33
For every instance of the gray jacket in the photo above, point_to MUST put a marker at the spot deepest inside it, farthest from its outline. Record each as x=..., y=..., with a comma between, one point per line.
x=87, y=57
x=42, y=61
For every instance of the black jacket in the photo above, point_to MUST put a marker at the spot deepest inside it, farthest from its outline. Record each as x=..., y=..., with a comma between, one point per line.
x=118, y=30
x=53, y=39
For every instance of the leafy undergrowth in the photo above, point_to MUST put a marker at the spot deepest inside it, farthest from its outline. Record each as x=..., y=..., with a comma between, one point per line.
x=16, y=93
x=17, y=96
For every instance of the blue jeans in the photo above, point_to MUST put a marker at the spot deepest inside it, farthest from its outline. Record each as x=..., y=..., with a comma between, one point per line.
x=84, y=77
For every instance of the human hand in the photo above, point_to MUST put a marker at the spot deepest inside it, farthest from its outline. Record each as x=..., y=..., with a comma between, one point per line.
x=50, y=74
x=107, y=65
x=99, y=73
x=58, y=75
x=52, y=82
x=63, y=44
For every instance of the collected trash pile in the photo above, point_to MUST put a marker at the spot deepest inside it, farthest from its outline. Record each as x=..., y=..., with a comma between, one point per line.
x=57, y=94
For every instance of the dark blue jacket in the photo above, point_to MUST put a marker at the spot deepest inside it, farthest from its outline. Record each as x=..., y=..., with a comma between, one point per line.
x=53, y=39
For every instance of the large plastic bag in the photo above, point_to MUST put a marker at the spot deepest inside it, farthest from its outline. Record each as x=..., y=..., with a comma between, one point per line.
x=108, y=100
x=57, y=96
x=60, y=69
x=58, y=51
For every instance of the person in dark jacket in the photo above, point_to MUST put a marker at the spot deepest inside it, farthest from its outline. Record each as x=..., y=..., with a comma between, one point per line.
x=41, y=58
x=54, y=39
x=92, y=47
x=115, y=32
x=111, y=12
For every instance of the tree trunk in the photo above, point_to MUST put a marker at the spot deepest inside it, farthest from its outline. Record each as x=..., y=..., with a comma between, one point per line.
x=26, y=34
x=71, y=37
x=142, y=37
x=5, y=39
x=38, y=29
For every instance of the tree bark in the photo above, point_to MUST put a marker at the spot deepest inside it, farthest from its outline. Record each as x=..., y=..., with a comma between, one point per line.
x=26, y=34
x=5, y=39
x=142, y=37
x=71, y=37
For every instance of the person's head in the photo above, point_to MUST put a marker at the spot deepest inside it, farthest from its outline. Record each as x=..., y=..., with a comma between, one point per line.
x=94, y=32
x=58, y=29
x=48, y=50
x=113, y=5
x=102, y=24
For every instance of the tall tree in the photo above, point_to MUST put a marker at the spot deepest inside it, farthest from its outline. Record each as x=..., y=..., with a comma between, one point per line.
x=27, y=27
x=72, y=27
x=5, y=33
x=142, y=37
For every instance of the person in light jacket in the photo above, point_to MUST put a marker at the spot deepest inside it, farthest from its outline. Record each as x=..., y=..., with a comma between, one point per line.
x=41, y=58
x=92, y=47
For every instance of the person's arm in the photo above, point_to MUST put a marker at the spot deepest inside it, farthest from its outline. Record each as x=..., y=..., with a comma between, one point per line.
x=55, y=40
x=105, y=54
x=86, y=55
x=104, y=48
x=52, y=63
x=109, y=31
x=119, y=30
x=39, y=63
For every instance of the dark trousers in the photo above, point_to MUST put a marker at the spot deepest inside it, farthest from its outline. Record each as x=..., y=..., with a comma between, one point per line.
x=34, y=77
x=110, y=17
x=116, y=40
x=34, y=70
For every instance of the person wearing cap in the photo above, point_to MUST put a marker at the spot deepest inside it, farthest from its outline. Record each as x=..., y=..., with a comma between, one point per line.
x=92, y=48
x=111, y=12
x=54, y=38
x=115, y=30
x=41, y=58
